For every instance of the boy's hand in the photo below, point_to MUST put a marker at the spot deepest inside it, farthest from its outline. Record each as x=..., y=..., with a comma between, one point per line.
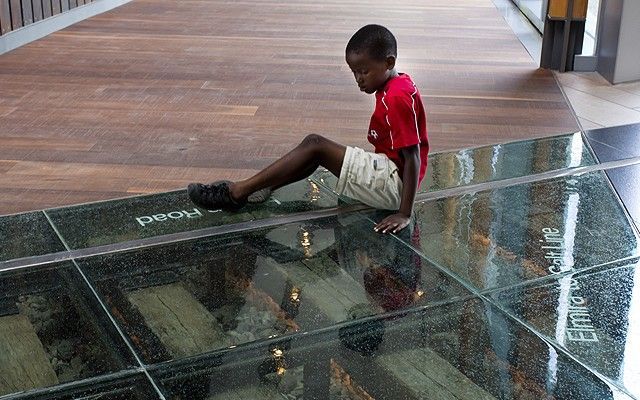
x=393, y=223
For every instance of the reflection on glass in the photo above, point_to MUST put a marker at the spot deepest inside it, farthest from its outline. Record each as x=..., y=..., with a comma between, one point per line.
x=506, y=236
x=254, y=380
x=495, y=162
x=141, y=217
x=461, y=350
x=49, y=332
x=503, y=161
x=185, y=299
x=592, y=315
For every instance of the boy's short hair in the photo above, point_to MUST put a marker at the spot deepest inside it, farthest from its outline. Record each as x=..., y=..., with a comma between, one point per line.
x=376, y=40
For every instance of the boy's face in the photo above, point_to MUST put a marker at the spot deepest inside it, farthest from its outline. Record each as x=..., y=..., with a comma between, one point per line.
x=370, y=74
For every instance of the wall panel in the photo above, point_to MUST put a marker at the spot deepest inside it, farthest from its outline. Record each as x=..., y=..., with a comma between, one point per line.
x=18, y=13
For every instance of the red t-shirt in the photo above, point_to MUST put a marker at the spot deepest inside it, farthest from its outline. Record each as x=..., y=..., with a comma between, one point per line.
x=399, y=121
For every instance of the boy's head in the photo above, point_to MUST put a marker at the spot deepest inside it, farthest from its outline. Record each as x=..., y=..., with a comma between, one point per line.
x=371, y=55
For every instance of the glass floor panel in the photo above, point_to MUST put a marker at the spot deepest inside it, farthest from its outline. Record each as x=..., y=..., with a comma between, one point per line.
x=462, y=350
x=51, y=330
x=503, y=161
x=25, y=235
x=506, y=236
x=496, y=162
x=593, y=315
x=109, y=222
x=193, y=297
x=476, y=299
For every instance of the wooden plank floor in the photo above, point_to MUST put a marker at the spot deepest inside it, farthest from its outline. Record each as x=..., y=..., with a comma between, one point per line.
x=158, y=93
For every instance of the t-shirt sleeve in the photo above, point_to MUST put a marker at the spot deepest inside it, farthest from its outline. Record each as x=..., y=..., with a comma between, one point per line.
x=403, y=120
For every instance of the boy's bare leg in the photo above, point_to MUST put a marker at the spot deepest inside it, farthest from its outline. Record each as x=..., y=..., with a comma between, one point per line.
x=299, y=163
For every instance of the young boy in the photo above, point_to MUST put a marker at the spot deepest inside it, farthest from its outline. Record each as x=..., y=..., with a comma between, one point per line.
x=387, y=179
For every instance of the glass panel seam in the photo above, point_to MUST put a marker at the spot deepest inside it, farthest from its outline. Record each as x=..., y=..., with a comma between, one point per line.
x=474, y=291
x=115, y=325
x=542, y=280
x=55, y=229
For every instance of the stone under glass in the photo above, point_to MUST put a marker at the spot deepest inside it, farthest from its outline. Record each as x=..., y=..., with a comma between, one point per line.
x=507, y=236
x=593, y=315
x=141, y=217
x=188, y=298
x=134, y=387
x=25, y=235
x=52, y=331
x=460, y=350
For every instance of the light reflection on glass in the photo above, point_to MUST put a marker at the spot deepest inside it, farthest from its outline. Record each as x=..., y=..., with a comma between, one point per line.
x=295, y=295
x=575, y=159
x=492, y=271
x=280, y=363
x=570, y=218
x=552, y=371
x=315, y=192
x=467, y=167
x=305, y=241
x=494, y=158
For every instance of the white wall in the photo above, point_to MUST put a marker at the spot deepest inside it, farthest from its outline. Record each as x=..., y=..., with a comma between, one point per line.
x=628, y=63
x=619, y=40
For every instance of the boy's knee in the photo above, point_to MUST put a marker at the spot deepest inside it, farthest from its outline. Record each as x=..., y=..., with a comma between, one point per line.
x=313, y=140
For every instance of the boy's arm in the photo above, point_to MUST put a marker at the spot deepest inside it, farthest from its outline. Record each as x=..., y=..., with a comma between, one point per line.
x=395, y=222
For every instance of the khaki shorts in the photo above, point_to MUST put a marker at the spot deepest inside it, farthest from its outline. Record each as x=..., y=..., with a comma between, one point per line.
x=370, y=178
